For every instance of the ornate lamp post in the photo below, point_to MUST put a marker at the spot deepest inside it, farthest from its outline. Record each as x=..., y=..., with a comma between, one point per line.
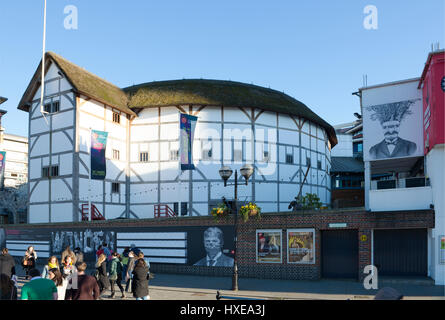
x=225, y=173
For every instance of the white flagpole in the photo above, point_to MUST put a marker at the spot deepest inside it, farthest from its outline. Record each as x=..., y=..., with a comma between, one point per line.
x=42, y=87
x=90, y=216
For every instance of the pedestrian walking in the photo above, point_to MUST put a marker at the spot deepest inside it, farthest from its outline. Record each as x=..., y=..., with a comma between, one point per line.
x=87, y=287
x=7, y=263
x=107, y=251
x=140, y=279
x=29, y=260
x=53, y=262
x=69, y=252
x=102, y=277
x=129, y=271
x=67, y=268
x=79, y=255
x=124, y=260
x=116, y=274
x=8, y=290
x=99, y=251
x=38, y=288
x=61, y=283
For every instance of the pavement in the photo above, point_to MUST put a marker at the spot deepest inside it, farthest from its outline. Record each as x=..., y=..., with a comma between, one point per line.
x=192, y=287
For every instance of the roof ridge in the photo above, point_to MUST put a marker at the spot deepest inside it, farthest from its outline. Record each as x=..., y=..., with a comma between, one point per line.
x=51, y=53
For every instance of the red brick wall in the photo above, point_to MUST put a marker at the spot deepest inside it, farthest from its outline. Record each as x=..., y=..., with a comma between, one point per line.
x=362, y=221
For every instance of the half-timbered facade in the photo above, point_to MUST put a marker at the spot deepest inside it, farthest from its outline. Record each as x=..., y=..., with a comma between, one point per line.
x=237, y=124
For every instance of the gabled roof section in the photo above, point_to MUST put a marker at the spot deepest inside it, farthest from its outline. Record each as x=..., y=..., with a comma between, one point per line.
x=83, y=82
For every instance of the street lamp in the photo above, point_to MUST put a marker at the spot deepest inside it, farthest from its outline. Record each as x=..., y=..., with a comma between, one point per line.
x=225, y=173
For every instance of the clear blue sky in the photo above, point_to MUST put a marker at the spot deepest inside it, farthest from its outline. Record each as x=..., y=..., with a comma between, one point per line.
x=315, y=51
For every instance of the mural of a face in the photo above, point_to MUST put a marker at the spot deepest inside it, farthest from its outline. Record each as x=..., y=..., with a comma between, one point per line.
x=391, y=130
x=212, y=242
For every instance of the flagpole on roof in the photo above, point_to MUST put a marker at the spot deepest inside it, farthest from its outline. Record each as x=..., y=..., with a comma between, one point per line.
x=42, y=87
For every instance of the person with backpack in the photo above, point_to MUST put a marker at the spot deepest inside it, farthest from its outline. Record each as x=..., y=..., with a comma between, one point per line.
x=116, y=274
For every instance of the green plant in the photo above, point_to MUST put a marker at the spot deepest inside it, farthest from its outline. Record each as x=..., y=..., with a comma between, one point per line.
x=221, y=211
x=250, y=210
x=309, y=202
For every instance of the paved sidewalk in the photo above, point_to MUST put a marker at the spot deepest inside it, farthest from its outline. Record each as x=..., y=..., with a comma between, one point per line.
x=186, y=287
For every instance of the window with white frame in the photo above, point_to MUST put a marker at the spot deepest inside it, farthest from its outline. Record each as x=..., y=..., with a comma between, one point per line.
x=115, y=187
x=116, y=117
x=116, y=154
x=289, y=155
x=143, y=156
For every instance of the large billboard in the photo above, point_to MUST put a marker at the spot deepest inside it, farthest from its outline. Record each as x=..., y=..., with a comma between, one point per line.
x=211, y=246
x=392, y=122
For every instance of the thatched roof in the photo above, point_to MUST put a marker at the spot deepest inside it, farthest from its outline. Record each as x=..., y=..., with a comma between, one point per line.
x=221, y=93
x=174, y=92
x=83, y=81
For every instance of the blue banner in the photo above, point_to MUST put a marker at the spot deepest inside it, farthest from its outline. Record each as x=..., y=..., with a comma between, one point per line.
x=98, y=161
x=187, y=129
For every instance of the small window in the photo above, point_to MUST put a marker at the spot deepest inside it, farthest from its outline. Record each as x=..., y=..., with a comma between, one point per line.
x=184, y=208
x=47, y=108
x=45, y=172
x=143, y=157
x=13, y=174
x=54, y=171
x=115, y=187
x=116, y=117
x=116, y=154
x=174, y=155
x=308, y=161
x=289, y=158
x=266, y=156
x=319, y=164
x=55, y=107
x=207, y=154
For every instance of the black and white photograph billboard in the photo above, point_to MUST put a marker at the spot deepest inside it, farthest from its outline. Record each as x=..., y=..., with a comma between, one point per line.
x=392, y=122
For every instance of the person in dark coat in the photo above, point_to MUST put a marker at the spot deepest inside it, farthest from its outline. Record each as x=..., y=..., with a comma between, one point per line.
x=101, y=267
x=29, y=260
x=87, y=287
x=8, y=290
x=7, y=263
x=129, y=271
x=140, y=280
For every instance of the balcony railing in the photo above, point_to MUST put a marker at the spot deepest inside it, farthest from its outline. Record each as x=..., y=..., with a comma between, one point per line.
x=400, y=183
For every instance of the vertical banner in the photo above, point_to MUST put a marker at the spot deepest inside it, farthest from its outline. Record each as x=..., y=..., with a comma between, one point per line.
x=2, y=169
x=187, y=124
x=98, y=162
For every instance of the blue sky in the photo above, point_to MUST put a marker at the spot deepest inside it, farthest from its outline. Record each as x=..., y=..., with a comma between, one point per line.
x=315, y=51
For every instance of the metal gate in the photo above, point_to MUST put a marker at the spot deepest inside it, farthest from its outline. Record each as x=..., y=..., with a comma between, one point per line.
x=339, y=254
x=401, y=252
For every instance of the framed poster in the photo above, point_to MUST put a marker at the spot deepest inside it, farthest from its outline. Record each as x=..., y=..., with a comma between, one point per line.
x=268, y=246
x=442, y=249
x=301, y=246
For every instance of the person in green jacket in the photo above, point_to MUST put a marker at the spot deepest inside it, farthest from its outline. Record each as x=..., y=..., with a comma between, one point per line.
x=116, y=274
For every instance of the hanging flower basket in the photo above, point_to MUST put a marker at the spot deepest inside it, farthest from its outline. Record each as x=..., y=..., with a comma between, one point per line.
x=220, y=212
x=250, y=210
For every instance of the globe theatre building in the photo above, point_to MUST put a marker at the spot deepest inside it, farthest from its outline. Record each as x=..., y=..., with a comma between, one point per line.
x=237, y=124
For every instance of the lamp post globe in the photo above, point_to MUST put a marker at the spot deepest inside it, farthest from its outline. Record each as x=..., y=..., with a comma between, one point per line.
x=246, y=171
x=225, y=173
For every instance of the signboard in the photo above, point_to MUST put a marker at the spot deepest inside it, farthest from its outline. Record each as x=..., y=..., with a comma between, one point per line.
x=98, y=161
x=301, y=246
x=338, y=225
x=268, y=244
x=393, y=130
x=2, y=169
x=187, y=124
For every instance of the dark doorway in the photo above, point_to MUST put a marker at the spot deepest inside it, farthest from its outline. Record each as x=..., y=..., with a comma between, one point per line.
x=401, y=252
x=339, y=254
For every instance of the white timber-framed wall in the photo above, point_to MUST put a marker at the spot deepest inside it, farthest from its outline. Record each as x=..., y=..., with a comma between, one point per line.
x=235, y=136
x=223, y=130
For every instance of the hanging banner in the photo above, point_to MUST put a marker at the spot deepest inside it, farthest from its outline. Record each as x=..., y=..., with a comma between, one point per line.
x=187, y=124
x=2, y=169
x=98, y=162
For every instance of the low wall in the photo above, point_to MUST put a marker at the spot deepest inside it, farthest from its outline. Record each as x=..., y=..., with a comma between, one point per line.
x=180, y=240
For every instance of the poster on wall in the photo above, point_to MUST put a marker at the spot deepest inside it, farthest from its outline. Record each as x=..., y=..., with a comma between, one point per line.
x=442, y=249
x=98, y=147
x=2, y=169
x=217, y=252
x=268, y=243
x=301, y=246
x=393, y=130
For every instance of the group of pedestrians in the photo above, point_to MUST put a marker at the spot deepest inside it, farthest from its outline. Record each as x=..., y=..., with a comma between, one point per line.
x=68, y=280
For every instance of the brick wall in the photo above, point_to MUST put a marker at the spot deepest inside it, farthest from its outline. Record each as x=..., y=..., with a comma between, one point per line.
x=361, y=221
